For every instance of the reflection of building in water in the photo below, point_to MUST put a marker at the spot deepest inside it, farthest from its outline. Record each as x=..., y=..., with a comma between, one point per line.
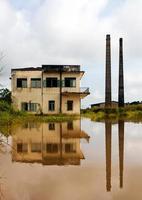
x=108, y=132
x=49, y=143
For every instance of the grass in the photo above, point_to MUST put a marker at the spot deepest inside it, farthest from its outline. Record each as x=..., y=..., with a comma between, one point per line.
x=128, y=113
x=9, y=116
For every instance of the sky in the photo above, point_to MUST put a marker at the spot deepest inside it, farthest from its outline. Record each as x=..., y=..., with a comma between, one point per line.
x=36, y=32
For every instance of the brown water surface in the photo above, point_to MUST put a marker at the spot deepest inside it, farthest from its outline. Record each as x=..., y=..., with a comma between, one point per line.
x=79, y=160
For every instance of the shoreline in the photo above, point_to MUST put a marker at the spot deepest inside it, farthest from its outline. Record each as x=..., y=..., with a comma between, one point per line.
x=128, y=113
x=7, y=118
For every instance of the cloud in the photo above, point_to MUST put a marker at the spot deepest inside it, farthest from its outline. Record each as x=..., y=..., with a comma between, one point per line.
x=73, y=32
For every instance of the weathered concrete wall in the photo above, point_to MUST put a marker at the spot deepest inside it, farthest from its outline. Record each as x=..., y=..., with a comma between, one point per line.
x=28, y=94
x=76, y=104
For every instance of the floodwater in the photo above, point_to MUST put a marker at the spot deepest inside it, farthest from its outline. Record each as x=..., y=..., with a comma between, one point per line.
x=79, y=160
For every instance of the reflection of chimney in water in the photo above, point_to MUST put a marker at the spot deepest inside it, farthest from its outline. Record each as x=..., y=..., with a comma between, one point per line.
x=121, y=150
x=108, y=127
x=108, y=73
x=121, y=78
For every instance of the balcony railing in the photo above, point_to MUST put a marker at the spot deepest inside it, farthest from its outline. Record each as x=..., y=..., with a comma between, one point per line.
x=84, y=90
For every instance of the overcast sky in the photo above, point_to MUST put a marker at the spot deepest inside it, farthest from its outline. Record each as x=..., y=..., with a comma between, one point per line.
x=36, y=32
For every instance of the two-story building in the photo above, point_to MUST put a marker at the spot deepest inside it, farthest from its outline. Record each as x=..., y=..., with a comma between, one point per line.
x=50, y=89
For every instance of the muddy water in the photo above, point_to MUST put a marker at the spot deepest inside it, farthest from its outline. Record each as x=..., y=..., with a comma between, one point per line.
x=79, y=160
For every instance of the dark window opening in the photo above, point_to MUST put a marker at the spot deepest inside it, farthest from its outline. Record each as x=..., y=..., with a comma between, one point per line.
x=51, y=126
x=70, y=125
x=51, y=105
x=51, y=82
x=35, y=82
x=21, y=82
x=22, y=147
x=24, y=106
x=70, y=82
x=52, y=148
x=70, y=148
x=69, y=105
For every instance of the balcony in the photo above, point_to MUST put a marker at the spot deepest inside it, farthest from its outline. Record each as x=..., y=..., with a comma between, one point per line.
x=83, y=92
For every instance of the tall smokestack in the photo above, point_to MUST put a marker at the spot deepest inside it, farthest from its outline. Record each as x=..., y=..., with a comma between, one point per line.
x=108, y=73
x=121, y=78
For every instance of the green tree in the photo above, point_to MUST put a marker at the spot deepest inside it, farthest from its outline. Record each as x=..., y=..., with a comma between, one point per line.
x=5, y=95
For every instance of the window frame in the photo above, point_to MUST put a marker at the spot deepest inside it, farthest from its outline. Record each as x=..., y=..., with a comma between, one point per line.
x=19, y=83
x=51, y=82
x=69, y=79
x=49, y=108
x=36, y=85
x=30, y=107
x=24, y=104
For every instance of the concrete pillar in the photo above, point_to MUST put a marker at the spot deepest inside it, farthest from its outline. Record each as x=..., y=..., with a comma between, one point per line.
x=121, y=78
x=108, y=73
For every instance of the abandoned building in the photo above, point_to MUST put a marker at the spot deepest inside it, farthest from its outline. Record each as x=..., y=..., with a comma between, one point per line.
x=50, y=89
x=114, y=104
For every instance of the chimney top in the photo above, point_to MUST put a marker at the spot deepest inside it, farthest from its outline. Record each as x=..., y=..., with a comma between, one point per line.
x=108, y=36
x=121, y=41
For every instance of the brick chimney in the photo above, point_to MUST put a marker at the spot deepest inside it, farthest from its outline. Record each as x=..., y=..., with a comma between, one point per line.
x=121, y=78
x=108, y=73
